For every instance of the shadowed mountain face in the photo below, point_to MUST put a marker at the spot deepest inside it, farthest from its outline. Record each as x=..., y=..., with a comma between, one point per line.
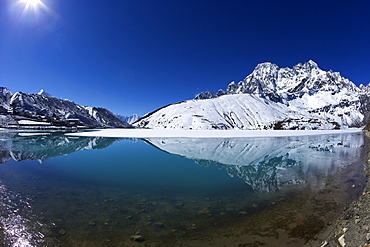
x=42, y=146
x=267, y=164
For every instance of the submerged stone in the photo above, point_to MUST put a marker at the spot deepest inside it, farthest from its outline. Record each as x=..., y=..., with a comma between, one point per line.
x=137, y=238
x=159, y=224
x=62, y=232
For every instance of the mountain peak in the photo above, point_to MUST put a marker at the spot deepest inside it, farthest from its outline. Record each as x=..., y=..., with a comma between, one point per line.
x=265, y=68
x=280, y=84
x=311, y=63
x=265, y=65
x=308, y=66
x=5, y=91
x=43, y=92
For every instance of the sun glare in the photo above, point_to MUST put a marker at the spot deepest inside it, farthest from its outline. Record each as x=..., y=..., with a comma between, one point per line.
x=33, y=3
x=32, y=8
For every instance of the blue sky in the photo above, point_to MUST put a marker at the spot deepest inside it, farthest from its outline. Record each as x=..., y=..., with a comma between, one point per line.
x=134, y=56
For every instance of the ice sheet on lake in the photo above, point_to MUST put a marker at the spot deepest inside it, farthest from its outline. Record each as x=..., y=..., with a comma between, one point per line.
x=149, y=133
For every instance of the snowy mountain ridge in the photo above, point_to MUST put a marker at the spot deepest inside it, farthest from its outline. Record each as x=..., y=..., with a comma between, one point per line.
x=302, y=97
x=129, y=119
x=43, y=109
x=281, y=84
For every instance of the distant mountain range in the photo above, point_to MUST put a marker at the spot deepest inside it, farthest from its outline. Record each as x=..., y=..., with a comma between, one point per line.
x=129, y=119
x=302, y=97
x=43, y=111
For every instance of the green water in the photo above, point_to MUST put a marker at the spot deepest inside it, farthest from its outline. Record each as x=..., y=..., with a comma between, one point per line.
x=73, y=191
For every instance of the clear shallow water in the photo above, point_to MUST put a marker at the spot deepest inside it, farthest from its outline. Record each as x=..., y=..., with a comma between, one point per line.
x=81, y=191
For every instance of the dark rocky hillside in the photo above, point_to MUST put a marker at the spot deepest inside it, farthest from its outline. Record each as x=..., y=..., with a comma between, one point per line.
x=40, y=111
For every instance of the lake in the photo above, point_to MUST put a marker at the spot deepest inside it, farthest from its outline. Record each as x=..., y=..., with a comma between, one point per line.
x=59, y=190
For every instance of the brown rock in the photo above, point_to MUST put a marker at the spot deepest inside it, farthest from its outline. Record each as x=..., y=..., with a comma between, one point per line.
x=137, y=238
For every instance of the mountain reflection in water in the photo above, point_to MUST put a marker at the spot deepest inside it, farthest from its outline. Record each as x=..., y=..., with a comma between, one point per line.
x=44, y=145
x=267, y=164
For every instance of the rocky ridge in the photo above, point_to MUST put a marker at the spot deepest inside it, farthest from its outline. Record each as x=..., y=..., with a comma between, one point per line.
x=129, y=119
x=42, y=111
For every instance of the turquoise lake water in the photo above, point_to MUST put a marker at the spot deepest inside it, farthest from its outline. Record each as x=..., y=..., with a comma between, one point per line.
x=59, y=190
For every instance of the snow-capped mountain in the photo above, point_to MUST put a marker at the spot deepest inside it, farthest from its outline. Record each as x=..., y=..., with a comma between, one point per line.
x=43, y=92
x=266, y=166
x=43, y=110
x=128, y=119
x=302, y=97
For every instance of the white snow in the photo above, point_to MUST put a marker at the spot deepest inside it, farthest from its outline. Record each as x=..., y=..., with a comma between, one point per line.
x=245, y=111
x=32, y=122
x=43, y=92
x=242, y=111
x=34, y=134
x=150, y=133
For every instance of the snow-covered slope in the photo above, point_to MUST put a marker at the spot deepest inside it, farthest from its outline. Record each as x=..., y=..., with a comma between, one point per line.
x=268, y=163
x=304, y=97
x=44, y=108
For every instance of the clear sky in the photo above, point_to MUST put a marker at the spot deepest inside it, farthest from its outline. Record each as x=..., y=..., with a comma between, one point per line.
x=134, y=56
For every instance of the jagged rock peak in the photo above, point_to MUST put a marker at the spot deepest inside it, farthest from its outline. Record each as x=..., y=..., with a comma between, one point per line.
x=205, y=95
x=280, y=84
x=5, y=91
x=309, y=65
x=5, y=96
x=129, y=119
x=43, y=92
x=266, y=66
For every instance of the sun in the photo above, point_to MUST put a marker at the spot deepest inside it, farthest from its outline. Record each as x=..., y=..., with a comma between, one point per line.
x=31, y=8
x=32, y=3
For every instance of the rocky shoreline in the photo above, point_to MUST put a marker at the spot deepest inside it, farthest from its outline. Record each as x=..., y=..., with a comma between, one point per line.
x=353, y=228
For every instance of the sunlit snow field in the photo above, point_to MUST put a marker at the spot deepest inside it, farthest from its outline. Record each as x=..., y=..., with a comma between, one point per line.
x=143, y=133
x=175, y=189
